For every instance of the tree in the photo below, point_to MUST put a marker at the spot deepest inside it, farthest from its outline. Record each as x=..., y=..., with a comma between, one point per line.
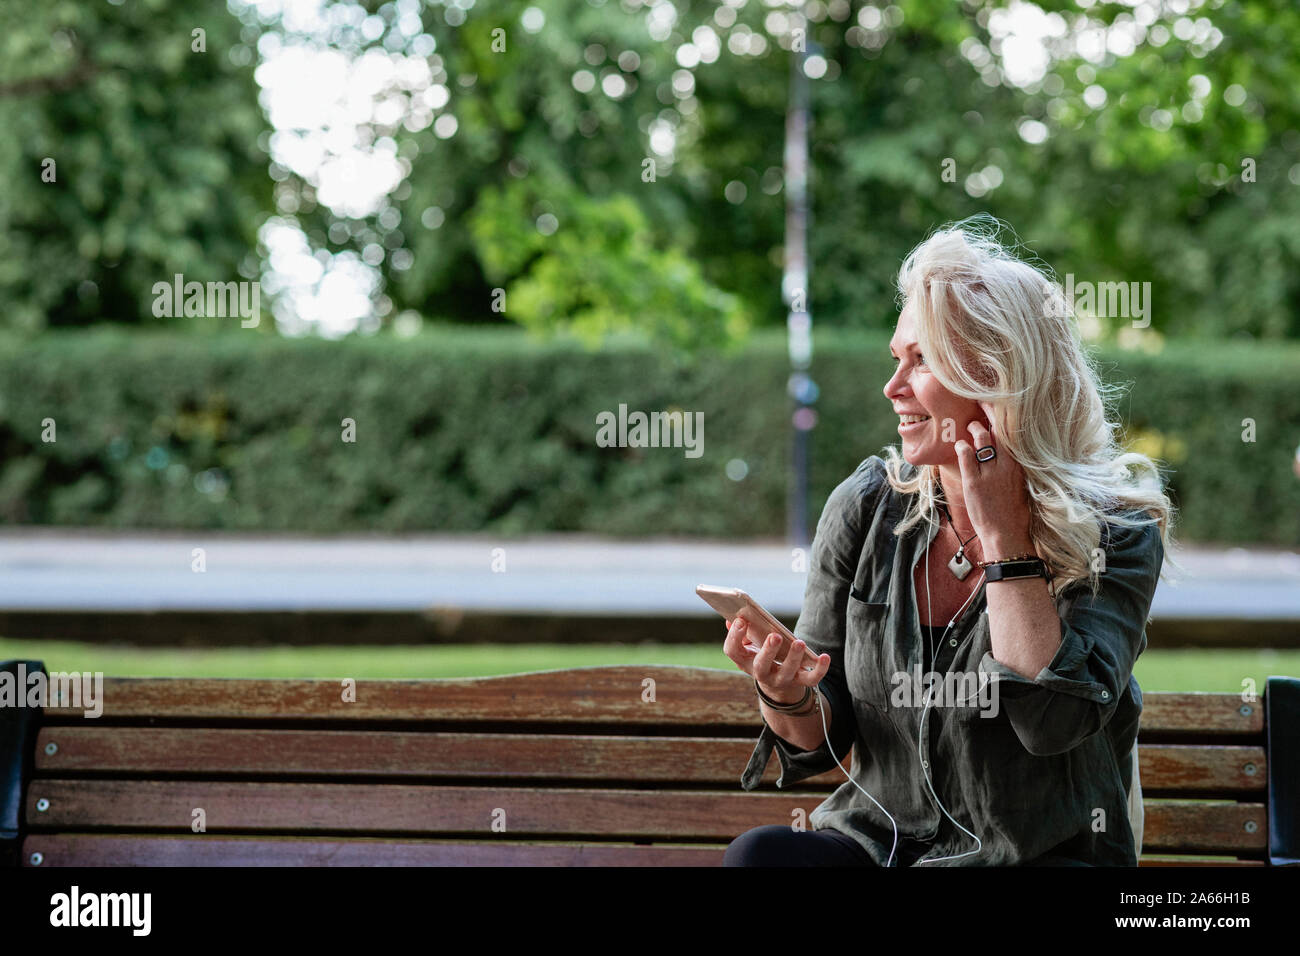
x=131, y=153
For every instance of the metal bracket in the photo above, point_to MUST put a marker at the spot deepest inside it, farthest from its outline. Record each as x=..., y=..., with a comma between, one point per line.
x=19, y=725
x=1282, y=720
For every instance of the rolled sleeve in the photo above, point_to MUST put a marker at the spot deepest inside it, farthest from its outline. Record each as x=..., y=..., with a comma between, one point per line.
x=796, y=764
x=832, y=563
x=1077, y=693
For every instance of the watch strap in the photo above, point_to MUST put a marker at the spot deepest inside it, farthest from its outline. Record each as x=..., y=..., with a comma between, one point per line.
x=1012, y=570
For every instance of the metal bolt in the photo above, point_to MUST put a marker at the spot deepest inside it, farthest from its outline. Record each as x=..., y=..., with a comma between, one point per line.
x=36, y=859
x=51, y=748
x=1250, y=769
x=1245, y=710
x=42, y=805
x=952, y=642
x=1251, y=826
x=1105, y=695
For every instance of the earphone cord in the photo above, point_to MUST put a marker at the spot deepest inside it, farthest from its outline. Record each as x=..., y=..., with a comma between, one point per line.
x=827, y=734
x=934, y=656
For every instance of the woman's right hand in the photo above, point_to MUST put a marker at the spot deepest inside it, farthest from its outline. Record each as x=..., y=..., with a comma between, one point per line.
x=782, y=682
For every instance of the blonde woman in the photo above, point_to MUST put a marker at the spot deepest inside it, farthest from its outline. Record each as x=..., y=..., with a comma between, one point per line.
x=977, y=600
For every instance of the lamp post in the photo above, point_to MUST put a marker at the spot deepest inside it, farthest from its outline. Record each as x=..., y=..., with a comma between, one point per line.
x=794, y=286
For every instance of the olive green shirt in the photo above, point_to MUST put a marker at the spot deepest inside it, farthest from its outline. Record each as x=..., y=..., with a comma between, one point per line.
x=1038, y=769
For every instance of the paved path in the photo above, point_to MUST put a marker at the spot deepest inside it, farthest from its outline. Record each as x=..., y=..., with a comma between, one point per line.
x=48, y=569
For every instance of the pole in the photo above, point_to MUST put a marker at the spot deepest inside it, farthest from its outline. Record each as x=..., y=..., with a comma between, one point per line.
x=794, y=286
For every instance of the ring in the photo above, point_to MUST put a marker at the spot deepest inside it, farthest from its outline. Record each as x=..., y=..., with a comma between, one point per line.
x=980, y=456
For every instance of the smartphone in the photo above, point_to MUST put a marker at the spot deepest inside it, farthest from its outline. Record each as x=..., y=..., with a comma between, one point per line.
x=733, y=602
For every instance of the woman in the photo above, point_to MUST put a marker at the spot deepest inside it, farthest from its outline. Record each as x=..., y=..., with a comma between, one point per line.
x=976, y=603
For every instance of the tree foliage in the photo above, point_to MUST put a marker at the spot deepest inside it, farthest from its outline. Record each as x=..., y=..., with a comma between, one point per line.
x=128, y=156
x=1137, y=172
x=599, y=165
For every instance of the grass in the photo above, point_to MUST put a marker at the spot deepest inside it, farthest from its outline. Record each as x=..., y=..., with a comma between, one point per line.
x=1157, y=670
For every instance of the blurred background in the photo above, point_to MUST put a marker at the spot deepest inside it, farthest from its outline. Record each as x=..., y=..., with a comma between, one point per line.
x=314, y=310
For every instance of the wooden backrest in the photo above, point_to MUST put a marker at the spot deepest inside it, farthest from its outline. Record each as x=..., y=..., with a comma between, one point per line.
x=601, y=754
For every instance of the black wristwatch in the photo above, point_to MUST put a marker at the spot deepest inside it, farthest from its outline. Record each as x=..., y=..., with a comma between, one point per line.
x=1012, y=570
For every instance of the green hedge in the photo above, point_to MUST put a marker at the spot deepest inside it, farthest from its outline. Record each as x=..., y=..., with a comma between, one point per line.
x=487, y=430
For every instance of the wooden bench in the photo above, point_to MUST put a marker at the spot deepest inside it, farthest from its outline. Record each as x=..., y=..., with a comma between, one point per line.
x=626, y=766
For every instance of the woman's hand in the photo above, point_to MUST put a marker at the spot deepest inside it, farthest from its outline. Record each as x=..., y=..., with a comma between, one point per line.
x=778, y=681
x=995, y=493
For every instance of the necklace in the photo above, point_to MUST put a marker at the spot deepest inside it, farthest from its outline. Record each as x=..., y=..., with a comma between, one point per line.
x=959, y=565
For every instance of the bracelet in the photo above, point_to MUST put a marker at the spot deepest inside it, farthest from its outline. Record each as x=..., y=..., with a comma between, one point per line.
x=1013, y=569
x=810, y=709
x=1014, y=557
x=784, y=708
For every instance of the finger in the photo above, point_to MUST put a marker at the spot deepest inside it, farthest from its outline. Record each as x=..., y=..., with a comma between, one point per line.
x=818, y=673
x=814, y=677
x=795, y=660
x=734, y=647
x=787, y=670
x=795, y=663
x=740, y=633
x=812, y=666
x=791, y=675
x=980, y=434
x=965, y=459
x=765, y=661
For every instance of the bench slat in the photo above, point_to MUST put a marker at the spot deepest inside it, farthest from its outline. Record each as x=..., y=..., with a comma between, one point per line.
x=118, y=849
x=1194, y=826
x=331, y=753
x=391, y=808
x=684, y=696
x=1226, y=770
x=394, y=808
x=1200, y=714
x=341, y=753
x=1185, y=861
x=76, y=849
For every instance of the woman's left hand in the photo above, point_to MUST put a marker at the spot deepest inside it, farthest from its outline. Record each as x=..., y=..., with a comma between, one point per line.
x=994, y=492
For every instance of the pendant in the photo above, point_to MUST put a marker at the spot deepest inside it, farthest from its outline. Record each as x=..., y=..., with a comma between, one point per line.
x=959, y=566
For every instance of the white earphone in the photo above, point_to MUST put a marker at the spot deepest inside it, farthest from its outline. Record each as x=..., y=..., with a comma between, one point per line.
x=920, y=731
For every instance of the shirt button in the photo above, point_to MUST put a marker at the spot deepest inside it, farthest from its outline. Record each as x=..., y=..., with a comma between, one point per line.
x=925, y=765
x=952, y=642
x=1105, y=695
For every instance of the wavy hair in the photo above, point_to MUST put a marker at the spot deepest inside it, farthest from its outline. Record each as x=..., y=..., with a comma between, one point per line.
x=997, y=328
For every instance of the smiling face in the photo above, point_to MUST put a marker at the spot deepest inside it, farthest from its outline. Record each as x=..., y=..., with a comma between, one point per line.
x=914, y=391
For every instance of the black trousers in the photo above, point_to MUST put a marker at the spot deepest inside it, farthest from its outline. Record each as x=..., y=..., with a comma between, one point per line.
x=781, y=845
